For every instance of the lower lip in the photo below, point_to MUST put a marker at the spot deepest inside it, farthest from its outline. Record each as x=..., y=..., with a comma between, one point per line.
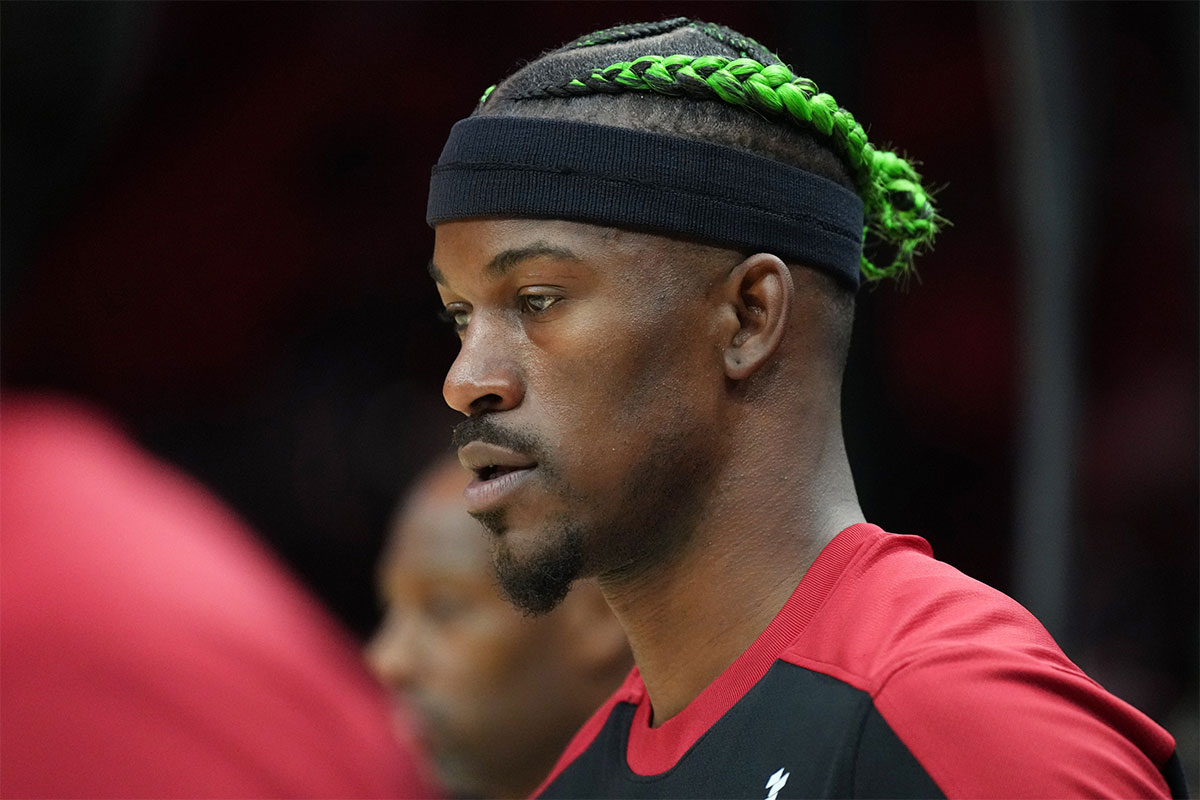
x=487, y=495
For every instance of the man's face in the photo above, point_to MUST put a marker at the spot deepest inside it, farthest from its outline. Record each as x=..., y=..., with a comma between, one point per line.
x=592, y=375
x=491, y=691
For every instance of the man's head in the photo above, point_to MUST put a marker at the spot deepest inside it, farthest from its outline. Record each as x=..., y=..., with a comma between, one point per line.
x=496, y=694
x=648, y=241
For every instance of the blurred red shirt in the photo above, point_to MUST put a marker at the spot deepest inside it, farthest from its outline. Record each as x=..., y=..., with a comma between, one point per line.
x=150, y=647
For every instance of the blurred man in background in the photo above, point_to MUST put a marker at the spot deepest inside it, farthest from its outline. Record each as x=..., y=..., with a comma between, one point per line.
x=497, y=694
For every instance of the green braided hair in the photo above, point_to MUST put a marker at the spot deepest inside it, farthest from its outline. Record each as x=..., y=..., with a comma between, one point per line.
x=899, y=211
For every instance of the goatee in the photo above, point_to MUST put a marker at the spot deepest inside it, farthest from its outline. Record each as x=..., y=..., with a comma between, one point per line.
x=535, y=583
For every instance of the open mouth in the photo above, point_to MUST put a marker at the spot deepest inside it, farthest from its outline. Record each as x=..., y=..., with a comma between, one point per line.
x=489, y=461
x=491, y=471
x=499, y=473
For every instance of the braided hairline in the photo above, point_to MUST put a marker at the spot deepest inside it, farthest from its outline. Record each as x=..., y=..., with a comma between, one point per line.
x=622, y=33
x=899, y=211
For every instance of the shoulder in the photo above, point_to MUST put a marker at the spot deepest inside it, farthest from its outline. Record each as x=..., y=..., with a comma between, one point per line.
x=135, y=537
x=143, y=546
x=152, y=645
x=893, y=604
x=973, y=685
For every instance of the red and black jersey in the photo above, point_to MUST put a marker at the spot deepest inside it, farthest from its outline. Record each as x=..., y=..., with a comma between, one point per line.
x=886, y=674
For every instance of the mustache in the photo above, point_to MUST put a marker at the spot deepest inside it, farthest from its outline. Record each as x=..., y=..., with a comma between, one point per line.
x=484, y=429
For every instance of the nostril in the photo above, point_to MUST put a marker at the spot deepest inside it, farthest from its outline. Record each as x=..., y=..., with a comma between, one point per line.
x=488, y=402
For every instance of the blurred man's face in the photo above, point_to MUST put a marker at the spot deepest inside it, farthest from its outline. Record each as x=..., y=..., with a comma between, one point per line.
x=589, y=373
x=484, y=682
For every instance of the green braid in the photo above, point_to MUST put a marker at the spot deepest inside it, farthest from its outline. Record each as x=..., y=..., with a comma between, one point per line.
x=899, y=211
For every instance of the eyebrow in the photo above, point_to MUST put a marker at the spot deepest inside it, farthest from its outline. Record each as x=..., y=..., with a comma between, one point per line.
x=504, y=262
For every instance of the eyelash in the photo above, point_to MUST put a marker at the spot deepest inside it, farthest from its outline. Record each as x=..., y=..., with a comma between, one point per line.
x=450, y=317
x=524, y=302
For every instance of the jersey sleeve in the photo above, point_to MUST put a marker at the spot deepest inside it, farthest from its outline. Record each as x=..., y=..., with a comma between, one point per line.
x=1000, y=722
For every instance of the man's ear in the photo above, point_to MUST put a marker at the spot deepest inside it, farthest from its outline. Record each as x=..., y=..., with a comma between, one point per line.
x=759, y=291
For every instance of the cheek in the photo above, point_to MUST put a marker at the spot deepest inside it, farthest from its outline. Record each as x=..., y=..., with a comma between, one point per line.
x=615, y=382
x=500, y=686
x=608, y=365
x=481, y=658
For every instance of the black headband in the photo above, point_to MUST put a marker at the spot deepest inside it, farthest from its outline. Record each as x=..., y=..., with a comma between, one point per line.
x=555, y=169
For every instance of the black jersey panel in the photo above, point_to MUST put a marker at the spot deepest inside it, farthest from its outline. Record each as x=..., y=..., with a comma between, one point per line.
x=1173, y=774
x=795, y=734
x=885, y=766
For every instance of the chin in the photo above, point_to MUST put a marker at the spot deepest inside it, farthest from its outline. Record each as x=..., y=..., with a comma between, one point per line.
x=536, y=570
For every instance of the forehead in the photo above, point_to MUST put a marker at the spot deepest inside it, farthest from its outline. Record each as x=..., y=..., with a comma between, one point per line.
x=494, y=248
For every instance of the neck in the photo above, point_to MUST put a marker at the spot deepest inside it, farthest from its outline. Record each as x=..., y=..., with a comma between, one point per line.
x=763, y=526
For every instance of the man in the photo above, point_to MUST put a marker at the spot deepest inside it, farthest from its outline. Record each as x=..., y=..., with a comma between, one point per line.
x=649, y=241
x=496, y=694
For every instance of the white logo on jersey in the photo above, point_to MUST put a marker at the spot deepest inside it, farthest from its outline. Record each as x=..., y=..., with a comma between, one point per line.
x=776, y=782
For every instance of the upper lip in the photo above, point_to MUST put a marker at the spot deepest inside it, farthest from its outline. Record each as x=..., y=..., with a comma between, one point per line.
x=477, y=456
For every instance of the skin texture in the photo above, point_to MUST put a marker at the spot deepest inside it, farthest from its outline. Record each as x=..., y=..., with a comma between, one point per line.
x=616, y=463
x=496, y=694
x=682, y=405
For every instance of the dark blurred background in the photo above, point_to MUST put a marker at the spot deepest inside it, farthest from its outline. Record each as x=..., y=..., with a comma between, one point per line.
x=213, y=227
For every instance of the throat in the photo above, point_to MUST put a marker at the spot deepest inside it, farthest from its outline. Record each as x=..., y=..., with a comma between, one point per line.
x=688, y=626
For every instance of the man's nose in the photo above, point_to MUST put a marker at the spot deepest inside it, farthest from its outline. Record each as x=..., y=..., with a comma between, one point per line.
x=392, y=653
x=484, y=376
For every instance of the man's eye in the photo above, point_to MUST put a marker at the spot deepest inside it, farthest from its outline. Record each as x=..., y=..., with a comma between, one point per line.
x=537, y=303
x=443, y=608
x=456, y=318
